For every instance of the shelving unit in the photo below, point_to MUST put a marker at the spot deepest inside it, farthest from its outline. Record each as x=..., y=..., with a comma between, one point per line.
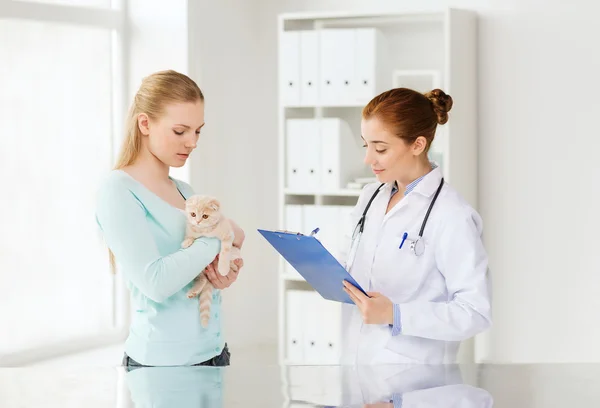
x=330, y=66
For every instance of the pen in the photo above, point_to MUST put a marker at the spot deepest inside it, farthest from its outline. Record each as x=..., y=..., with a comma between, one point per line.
x=312, y=234
x=403, y=239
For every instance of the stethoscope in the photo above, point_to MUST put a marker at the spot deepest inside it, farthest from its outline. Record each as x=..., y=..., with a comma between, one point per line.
x=417, y=246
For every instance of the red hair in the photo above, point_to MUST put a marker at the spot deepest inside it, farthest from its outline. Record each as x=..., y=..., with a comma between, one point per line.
x=410, y=114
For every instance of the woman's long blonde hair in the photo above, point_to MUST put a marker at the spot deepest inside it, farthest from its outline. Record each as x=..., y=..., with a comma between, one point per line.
x=155, y=92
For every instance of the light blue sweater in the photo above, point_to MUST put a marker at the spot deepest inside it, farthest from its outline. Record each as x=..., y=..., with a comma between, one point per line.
x=145, y=234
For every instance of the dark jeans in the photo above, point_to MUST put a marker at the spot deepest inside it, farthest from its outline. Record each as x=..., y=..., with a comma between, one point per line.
x=221, y=360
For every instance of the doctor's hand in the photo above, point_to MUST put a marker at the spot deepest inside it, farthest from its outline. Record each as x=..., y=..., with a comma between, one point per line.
x=376, y=309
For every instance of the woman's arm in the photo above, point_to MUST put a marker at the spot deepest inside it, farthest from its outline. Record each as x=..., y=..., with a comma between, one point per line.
x=122, y=219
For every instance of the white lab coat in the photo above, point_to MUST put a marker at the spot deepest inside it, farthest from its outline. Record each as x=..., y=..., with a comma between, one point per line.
x=444, y=294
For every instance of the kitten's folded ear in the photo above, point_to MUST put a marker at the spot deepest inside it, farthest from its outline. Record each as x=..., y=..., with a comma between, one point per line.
x=214, y=204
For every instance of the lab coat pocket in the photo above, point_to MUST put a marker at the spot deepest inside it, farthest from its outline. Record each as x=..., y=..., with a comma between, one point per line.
x=398, y=271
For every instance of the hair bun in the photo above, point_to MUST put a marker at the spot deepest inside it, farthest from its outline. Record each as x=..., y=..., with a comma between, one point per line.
x=442, y=103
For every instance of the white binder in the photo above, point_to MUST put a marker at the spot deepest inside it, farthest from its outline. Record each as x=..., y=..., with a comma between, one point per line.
x=295, y=326
x=372, y=75
x=303, y=156
x=289, y=63
x=312, y=339
x=309, y=68
x=336, y=52
x=331, y=331
x=342, y=154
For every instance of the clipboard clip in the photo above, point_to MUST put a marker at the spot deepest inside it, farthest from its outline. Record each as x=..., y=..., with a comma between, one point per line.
x=312, y=234
x=289, y=232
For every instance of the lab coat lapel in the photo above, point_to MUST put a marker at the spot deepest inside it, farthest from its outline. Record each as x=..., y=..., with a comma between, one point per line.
x=361, y=269
x=375, y=219
x=425, y=188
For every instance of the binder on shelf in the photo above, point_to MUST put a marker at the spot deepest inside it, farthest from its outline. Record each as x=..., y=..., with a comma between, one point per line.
x=289, y=65
x=295, y=326
x=321, y=155
x=372, y=65
x=309, y=68
x=341, y=154
x=303, y=162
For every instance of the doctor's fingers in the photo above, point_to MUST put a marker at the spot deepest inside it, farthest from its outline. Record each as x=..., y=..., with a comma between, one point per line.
x=357, y=301
x=352, y=297
x=355, y=291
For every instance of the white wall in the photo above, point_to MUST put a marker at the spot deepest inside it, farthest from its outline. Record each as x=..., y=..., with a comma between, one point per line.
x=538, y=103
x=232, y=160
x=159, y=40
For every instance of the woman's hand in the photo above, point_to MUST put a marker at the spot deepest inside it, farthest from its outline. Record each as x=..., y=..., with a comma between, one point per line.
x=219, y=281
x=238, y=234
x=376, y=309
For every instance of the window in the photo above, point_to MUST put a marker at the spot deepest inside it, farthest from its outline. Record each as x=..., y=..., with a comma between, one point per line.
x=57, y=126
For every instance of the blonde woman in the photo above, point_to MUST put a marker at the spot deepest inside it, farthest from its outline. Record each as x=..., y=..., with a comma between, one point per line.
x=140, y=213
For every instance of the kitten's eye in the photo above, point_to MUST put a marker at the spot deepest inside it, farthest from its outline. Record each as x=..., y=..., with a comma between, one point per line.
x=193, y=214
x=205, y=216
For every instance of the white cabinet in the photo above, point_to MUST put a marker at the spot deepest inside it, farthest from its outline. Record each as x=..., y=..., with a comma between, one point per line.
x=330, y=66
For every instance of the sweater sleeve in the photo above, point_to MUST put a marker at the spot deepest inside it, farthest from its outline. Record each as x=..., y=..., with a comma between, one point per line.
x=122, y=220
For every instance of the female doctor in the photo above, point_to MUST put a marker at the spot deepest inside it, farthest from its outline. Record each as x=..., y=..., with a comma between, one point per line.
x=415, y=244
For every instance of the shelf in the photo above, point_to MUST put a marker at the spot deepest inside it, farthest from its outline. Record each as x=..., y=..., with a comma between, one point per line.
x=338, y=193
x=290, y=277
x=343, y=17
x=354, y=106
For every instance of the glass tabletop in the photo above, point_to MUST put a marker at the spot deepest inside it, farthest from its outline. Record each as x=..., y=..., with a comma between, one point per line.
x=256, y=385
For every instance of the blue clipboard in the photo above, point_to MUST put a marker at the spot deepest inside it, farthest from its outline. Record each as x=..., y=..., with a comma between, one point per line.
x=314, y=262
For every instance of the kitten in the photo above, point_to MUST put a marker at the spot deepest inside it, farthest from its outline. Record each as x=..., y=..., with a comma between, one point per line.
x=204, y=219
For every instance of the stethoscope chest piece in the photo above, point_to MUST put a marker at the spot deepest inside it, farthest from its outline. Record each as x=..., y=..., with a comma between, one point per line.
x=418, y=246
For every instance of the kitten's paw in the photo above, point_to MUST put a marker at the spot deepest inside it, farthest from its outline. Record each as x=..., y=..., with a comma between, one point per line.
x=187, y=242
x=223, y=267
x=192, y=294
